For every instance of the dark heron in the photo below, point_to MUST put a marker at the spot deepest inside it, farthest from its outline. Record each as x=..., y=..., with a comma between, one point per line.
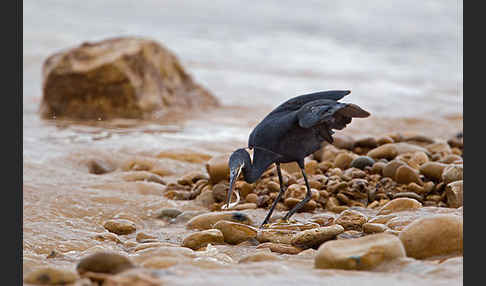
x=291, y=132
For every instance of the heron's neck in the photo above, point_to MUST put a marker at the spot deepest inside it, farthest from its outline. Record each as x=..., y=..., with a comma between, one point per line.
x=261, y=161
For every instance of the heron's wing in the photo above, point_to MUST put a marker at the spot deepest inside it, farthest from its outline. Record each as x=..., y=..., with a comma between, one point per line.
x=299, y=101
x=335, y=114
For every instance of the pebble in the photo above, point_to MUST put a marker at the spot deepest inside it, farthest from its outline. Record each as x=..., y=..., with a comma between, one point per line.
x=145, y=237
x=107, y=236
x=411, y=195
x=168, y=213
x=245, y=206
x=351, y=220
x=104, y=262
x=313, y=238
x=433, y=170
x=374, y=228
x=405, y=175
x=99, y=167
x=442, y=148
x=362, y=162
x=378, y=167
x=433, y=236
x=342, y=141
x=414, y=187
x=207, y=220
x=311, y=167
x=391, y=150
x=217, y=168
x=343, y=160
x=366, y=142
x=454, y=194
x=307, y=207
x=205, y=198
x=201, y=239
x=349, y=234
x=120, y=226
x=323, y=219
x=398, y=205
x=293, y=226
x=48, y=275
x=384, y=140
x=260, y=256
x=452, y=173
x=235, y=233
x=451, y=158
x=391, y=167
x=252, y=198
x=275, y=235
x=280, y=248
x=186, y=216
x=362, y=253
x=220, y=191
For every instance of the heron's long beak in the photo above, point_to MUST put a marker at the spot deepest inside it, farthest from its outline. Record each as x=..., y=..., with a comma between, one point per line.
x=234, y=174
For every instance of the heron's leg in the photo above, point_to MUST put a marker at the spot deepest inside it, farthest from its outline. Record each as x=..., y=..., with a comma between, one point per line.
x=277, y=199
x=304, y=201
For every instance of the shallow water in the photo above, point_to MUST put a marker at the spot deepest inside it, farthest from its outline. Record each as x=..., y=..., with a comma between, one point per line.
x=402, y=61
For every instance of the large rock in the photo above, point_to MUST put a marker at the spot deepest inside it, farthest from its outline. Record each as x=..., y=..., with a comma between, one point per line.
x=361, y=253
x=120, y=77
x=433, y=236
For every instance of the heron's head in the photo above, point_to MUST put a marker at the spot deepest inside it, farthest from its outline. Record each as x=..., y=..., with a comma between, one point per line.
x=237, y=161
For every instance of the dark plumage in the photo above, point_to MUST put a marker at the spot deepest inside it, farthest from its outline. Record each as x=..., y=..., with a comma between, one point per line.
x=289, y=133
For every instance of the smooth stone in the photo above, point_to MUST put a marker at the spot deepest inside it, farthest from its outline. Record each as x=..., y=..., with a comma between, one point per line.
x=252, y=198
x=99, y=167
x=312, y=238
x=391, y=150
x=384, y=140
x=275, y=235
x=432, y=236
x=186, y=216
x=440, y=147
x=362, y=162
x=343, y=141
x=107, y=236
x=217, y=168
x=349, y=234
x=398, y=205
x=104, y=262
x=145, y=237
x=391, y=167
x=235, y=233
x=452, y=173
x=454, y=194
x=48, y=275
x=280, y=248
x=307, y=207
x=433, y=170
x=207, y=220
x=259, y=256
x=220, y=191
x=351, y=220
x=292, y=226
x=378, y=167
x=205, y=198
x=343, y=160
x=168, y=213
x=362, y=253
x=405, y=175
x=366, y=142
x=245, y=206
x=120, y=226
x=411, y=195
x=323, y=219
x=201, y=239
x=413, y=187
x=374, y=228
x=450, y=159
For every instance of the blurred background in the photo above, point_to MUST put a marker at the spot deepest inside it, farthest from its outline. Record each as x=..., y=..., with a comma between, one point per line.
x=399, y=58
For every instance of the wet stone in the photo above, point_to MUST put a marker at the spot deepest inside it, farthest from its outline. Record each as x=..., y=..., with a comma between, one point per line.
x=168, y=213
x=351, y=220
x=104, y=262
x=374, y=228
x=160, y=262
x=433, y=236
x=405, y=175
x=280, y=248
x=399, y=204
x=362, y=253
x=452, y=173
x=433, y=170
x=145, y=237
x=186, y=216
x=454, y=193
x=275, y=235
x=313, y=238
x=201, y=239
x=50, y=276
x=207, y=220
x=411, y=195
x=390, y=168
x=217, y=168
x=349, y=234
x=120, y=226
x=343, y=160
x=362, y=162
x=235, y=233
